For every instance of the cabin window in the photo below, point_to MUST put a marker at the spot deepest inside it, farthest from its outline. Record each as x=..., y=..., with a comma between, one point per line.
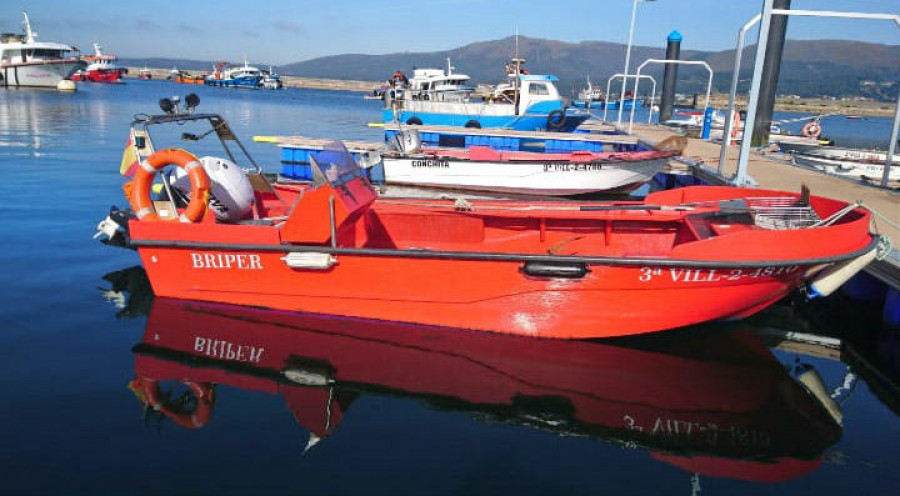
x=538, y=89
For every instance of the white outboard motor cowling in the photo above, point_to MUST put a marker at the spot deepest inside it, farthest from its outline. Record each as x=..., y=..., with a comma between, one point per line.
x=231, y=194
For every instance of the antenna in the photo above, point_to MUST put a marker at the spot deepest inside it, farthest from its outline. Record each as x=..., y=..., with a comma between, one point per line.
x=517, y=41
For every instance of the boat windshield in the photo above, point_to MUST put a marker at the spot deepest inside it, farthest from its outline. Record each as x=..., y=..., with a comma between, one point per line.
x=334, y=165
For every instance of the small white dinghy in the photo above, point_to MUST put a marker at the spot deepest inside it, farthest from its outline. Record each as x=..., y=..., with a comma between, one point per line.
x=481, y=168
x=861, y=169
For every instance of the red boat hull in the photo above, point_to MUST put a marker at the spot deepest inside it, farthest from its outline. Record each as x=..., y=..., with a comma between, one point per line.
x=99, y=76
x=482, y=295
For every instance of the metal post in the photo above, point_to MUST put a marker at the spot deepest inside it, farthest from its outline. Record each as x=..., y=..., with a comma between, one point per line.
x=892, y=147
x=738, y=53
x=673, y=52
x=742, y=178
x=771, y=70
x=627, y=61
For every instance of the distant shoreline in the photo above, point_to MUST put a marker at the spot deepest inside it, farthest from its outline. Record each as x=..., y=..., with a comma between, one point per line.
x=719, y=101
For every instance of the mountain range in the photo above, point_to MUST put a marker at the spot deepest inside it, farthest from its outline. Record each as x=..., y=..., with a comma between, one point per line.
x=810, y=68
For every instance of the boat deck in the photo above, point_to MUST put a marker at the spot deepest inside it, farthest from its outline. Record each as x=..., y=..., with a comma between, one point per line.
x=770, y=172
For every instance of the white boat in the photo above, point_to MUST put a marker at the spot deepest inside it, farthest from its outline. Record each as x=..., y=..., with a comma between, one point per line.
x=871, y=170
x=525, y=103
x=590, y=96
x=481, y=168
x=439, y=84
x=101, y=68
x=270, y=80
x=24, y=61
x=841, y=153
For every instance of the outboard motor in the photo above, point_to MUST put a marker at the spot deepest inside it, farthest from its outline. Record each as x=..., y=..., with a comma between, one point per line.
x=230, y=189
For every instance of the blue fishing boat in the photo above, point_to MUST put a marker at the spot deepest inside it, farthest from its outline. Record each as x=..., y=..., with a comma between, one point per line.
x=524, y=103
x=245, y=76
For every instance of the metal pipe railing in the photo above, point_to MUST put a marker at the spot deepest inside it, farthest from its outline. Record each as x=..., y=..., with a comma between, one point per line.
x=667, y=61
x=768, y=11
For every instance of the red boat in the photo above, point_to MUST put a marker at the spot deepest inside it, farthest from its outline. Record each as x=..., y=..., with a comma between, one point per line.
x=543, y=269
x=713, y=402
x=100, y=69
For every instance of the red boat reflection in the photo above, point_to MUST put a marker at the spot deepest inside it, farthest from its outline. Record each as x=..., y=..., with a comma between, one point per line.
x=713, y=401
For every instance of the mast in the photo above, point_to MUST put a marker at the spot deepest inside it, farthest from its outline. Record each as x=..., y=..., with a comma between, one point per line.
x=29, y=34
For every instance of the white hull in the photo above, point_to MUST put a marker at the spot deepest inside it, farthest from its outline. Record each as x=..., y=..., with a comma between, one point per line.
x=848, y=168
x=45, y=75
x=837, y=153
x=524, y=177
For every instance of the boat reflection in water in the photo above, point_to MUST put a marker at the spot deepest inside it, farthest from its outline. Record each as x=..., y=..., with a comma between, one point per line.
x=713, y=401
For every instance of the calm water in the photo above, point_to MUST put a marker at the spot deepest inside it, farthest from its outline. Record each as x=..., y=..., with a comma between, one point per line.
x=366, y=408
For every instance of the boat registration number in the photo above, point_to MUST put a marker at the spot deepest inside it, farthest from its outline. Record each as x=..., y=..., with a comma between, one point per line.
x=712, y=275
x=570, y=167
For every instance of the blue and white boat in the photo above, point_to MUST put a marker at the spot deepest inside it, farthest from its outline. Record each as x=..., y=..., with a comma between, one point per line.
x=271, y=80
x=590, y=96
x=525, y=103
x=245, y=76
x=629, y=103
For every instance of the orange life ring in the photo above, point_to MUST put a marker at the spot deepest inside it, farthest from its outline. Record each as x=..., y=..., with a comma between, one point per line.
x=812, y=129
x=140, y=199
x=148, y=392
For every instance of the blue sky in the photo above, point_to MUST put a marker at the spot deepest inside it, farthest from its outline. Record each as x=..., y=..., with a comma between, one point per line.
x=280, y=31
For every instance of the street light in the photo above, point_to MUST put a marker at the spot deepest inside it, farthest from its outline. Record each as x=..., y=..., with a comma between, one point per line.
x=628, y=58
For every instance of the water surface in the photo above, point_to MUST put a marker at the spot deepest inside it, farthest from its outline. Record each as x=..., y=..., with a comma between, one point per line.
x=389, y=409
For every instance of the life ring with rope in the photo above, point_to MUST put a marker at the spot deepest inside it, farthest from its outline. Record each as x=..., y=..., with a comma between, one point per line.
x=140, y=199
x=148, y=392
x=812, y=129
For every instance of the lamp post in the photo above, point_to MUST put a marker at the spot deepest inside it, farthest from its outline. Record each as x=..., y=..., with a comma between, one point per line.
x=628, y=58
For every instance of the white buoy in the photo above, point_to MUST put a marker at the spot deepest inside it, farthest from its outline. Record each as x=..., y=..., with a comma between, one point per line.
x=66, y=85
x=831, y=280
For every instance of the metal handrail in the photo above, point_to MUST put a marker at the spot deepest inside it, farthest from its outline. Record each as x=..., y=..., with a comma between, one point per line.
x=624, y=79
x=677, y=62
x=741, y=177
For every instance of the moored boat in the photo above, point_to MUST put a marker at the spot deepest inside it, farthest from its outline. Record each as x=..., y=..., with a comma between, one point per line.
x=482, y=168
x=541, y=269
x=183, y=77
x=145, y=74
x=271, y=80
x=245, y=76
x=101, y=68
x=861, y=169
x=24, y=61
x=525, y=103
x=590, y=96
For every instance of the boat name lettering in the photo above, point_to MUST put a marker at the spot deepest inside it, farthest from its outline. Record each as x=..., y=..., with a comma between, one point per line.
x=225, y=261
x=431, y=162
x=714, y=275
x=570, y=167
x=226, y=350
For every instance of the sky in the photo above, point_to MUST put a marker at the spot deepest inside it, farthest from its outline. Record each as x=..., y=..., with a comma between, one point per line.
x=281, y=31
